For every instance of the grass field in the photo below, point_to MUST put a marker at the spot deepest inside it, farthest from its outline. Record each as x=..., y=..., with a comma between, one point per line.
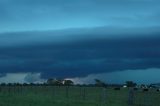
x=74, y=96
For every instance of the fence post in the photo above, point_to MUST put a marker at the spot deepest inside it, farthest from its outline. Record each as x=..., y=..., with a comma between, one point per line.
x=131, y=97
x=103, y=97
x=67, y=90
x=147, y=99
x=54, y=91
x=84, y=93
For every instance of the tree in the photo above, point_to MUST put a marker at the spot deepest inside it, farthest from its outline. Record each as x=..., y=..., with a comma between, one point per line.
x=54, y=82
x=68, y=82
x=32, y=84
x=58, y=82
x=50, y=81
x=3, y=84
x=130, y=84
x=99, y=83
x=9, y=84
x=25, y=84
x=17, y=84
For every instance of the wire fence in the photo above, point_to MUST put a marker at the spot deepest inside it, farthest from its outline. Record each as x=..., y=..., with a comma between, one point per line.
x=79, y=96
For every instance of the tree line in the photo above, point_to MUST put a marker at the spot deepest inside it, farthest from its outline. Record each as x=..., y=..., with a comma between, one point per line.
x=61, y=82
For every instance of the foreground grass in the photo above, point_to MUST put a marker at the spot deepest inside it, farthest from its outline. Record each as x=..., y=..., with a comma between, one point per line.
x=74, y=96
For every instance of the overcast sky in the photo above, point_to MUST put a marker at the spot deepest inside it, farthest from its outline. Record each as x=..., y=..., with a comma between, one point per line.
x=25, y=15
x=76, y=39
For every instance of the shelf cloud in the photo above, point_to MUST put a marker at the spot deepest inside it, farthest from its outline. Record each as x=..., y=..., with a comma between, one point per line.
x=77, y=38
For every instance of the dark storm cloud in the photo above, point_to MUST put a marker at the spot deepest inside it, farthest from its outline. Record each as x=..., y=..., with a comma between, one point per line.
x=80, y=57
x=78, y=37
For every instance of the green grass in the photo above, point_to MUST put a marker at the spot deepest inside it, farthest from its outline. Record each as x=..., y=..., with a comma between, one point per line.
x=74, y=96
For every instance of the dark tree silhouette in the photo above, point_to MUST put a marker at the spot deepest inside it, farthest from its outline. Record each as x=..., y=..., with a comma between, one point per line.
x=68, y=82
x=55, y=82
x=3, y=84
x=130, y=84
x=99, y=83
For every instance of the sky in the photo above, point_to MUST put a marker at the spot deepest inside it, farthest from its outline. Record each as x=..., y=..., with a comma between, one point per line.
x=111, y=40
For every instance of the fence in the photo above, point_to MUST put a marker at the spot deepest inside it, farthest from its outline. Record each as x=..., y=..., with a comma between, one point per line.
x=79, y=96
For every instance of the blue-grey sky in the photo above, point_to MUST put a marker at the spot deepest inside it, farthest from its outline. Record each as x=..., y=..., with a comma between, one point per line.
x=74, y=39
x=24, y=15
